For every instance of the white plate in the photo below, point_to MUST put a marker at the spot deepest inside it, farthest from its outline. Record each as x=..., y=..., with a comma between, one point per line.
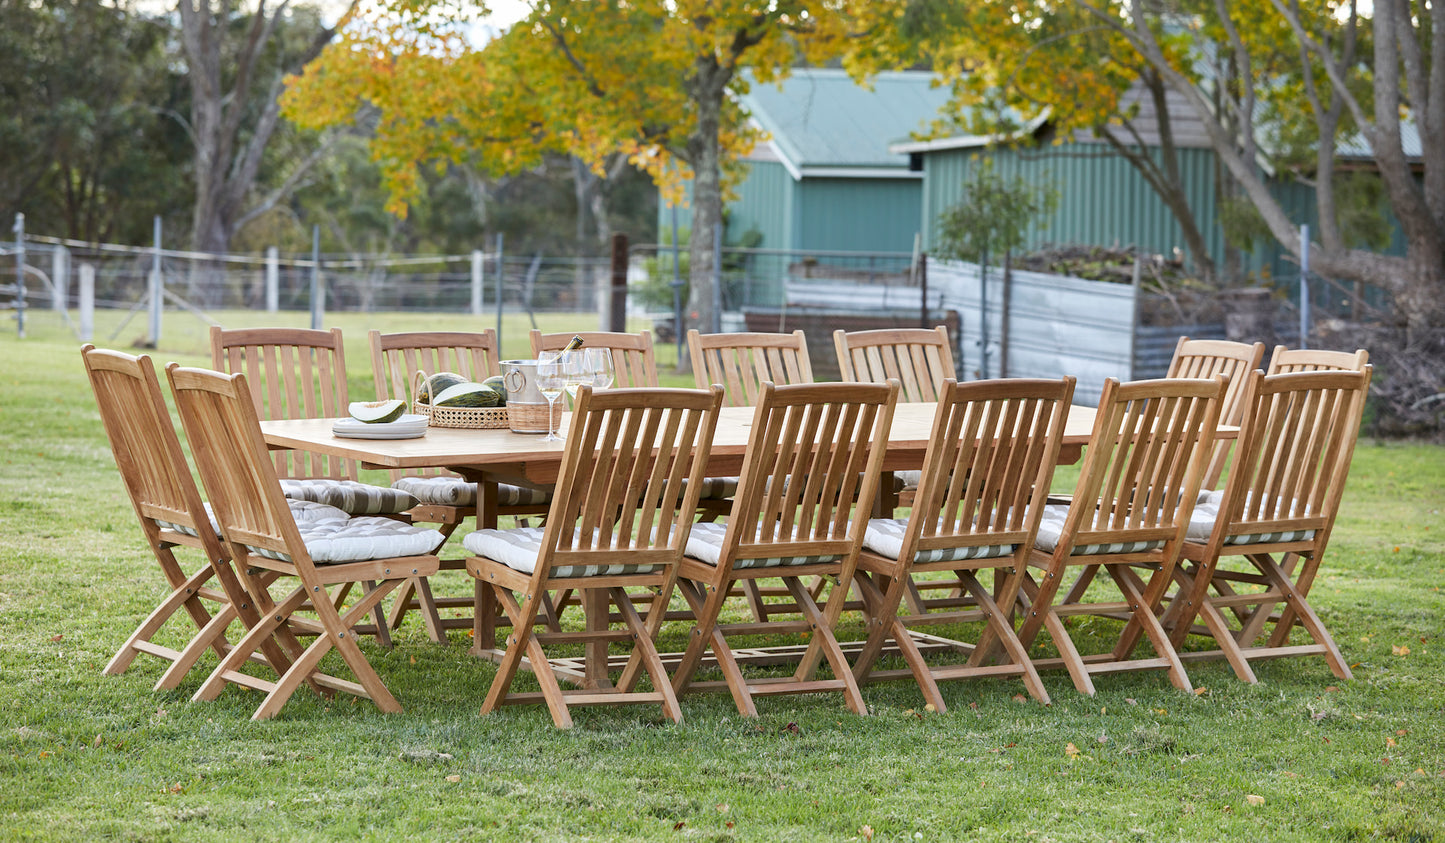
x=352, y=433
x=406, y=422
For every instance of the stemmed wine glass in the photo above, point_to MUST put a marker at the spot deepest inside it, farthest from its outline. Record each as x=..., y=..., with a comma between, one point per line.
x=598, y=363
x=551, y=381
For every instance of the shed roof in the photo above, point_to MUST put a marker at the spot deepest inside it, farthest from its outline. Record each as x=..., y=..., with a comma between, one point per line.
x=823, y=123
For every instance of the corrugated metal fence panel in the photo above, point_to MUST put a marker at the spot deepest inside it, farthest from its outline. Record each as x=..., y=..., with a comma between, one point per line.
x=1154, y=345
x=1057, y=325
x=1102, y=198
x=765, y=202
x=867, y=215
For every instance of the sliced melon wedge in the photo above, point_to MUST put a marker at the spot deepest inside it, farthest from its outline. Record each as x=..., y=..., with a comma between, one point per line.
x=376, y=412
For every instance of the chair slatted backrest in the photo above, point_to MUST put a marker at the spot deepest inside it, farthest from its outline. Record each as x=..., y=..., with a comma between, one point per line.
x=1286, y=360
x=293, y=373
x=1294, y=452
x=743, y=362
x=1207, y=358
x=918, y=358
x=1145, y=461
x=146, y=448
x=813, y=449
x=631, y=455
x=990, y=460
x=396, y=358
x=634, y=363
x=225, y=434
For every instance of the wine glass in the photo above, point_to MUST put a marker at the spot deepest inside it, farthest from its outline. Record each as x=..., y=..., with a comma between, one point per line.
x=599, y=364
x=551, y=381
x=574, y=371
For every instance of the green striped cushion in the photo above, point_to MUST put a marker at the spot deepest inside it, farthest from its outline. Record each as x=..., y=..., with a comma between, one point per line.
x=359, y=539
x=348, y=495
x=302, y=511
x=705, y=541
x=519, y=549
x=884, y=536
x=1206, y=513
x=454, y=491
x=1051, y=529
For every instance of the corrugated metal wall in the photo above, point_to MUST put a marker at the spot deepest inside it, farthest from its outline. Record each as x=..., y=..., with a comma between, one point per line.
x=861, y=215
x=765, y=202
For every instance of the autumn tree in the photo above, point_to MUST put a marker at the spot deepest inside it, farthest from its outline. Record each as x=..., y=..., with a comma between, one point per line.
x=655, y=81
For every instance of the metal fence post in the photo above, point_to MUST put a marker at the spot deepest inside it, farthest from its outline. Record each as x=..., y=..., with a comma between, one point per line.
x=273, y=279
x=617, y=303
x=501, y=279
x=20, y=274
x=86, y=302
x=318, y=293
x=59, y=279
x=476, y=282
x=157, y=289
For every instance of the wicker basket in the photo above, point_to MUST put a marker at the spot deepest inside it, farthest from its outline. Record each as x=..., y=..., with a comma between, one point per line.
x=532, y=418
x=468, y=417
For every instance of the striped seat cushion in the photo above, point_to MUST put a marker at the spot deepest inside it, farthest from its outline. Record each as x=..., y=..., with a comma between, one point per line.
x=705, y=542
x=302, y=511
x=1206, y=513
x=716, y=488
x=454, y=491
x=1051, y=529
x=342, y=539
x=348, y=495
x=905, y=480
x=519, y=549
x=884, y=536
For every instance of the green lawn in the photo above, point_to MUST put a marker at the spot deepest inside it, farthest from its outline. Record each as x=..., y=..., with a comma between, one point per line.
x=1301, y=756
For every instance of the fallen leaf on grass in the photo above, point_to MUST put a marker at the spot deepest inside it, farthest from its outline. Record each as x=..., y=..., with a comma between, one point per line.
x=1131, y=701
x=1390, y=742
x=866, y=832
x=677, y=826
x=1399, y=785
x=454, y=779
x=57, y=638
x=930, y=708
x=1400, y=651
x=1402, y=732
x=1020, y=698
x=1071, y=751
x=1330, y=689
x=1199, y=692
x=1254, y=799
x=96, y=743
x=728, y=824
x=1291, y=775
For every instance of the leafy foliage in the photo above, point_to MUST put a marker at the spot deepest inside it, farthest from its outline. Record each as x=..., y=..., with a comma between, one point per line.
x=994, y=214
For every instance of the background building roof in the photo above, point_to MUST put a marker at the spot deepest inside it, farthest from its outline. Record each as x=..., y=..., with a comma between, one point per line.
x=824, y=123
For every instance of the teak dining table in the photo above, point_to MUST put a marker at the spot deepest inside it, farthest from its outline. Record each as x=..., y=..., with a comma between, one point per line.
x=490, y=456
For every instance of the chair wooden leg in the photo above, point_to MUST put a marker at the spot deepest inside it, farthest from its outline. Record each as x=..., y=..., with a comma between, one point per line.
x=1144, y=614
x=184, y=595
x=383, y=631
x=1004, y=635
x=523, y=619
x=213, y=634
x=824, y=641
x=881, y=609
x=649, y=656
x=274, y=619
x=706, y=634
x=1310, y=621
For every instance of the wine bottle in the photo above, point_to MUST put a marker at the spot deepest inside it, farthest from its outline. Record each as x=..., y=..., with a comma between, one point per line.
x=573, y=344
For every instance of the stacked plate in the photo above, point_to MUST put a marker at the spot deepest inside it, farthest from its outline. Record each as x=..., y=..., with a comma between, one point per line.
x=407, y=427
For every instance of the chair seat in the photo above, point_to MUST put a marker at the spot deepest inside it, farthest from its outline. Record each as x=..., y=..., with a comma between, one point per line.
x=350, y=496
x=716, y=488
x=705, y=543
x=1052, y=527
x=906, y=480
x=1206, y=513
x=519, y=548
x=884, y=536
x=454, y=491
x=342, y=539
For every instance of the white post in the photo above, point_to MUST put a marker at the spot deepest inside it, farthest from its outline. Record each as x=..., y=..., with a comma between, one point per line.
x=273, y=279
x=476, y=282
x=157, y=290
x=318, y=292
x=59, y=278
x=87, y=302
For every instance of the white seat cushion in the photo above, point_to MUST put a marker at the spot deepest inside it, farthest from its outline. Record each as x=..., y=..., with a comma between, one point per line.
x=350, y=496
x=454, y=491
x=302, y=511
x=343, y=539
x=904, y=480
x=1206, y=513
x=884, y=536
x=1051, y=529
x=519, y=549
x=705, y=542
x=716, y=488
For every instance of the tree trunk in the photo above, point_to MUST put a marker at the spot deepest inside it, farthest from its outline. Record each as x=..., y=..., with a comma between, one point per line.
x=704, y=153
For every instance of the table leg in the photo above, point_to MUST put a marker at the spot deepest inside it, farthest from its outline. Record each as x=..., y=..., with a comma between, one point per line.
x=595, y=605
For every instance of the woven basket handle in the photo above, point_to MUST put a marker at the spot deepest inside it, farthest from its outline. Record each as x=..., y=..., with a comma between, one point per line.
x=418, y=380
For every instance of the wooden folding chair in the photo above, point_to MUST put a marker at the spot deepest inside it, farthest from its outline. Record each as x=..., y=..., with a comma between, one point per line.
x=614, y=525
x=633, y=362
x=813, y=449
x=743, y=362
x=326, y=559
x=1142, y=470
x=171, y=515
x=444, y=498
x=986, y=478
x=1205, y=359
x=1286, y=360
x=919, y=358
x=301, y=374
x=1276, y=512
